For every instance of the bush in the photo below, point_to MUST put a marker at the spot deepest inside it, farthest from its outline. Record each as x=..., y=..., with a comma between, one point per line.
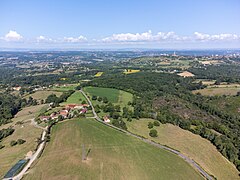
x=153, y=133
x=13, y=143
x=156, y=123
x=150, y=125
x=20, y=141
x=100, y=99
x=94, y=98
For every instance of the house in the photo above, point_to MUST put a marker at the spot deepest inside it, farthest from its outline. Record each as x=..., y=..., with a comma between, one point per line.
x=106, y=119
x=64, y=113
x=45, y=118
x=83, y=111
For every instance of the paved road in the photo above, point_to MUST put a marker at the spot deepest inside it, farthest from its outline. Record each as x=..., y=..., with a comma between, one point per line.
x=187, y=159
x=32, y=159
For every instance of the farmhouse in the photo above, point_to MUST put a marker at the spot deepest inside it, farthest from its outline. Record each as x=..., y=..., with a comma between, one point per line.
x=64, y=113
x=45, y=118
x=106, y=119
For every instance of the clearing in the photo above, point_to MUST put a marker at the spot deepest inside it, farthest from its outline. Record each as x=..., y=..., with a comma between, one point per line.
x=111, y=155
x=194, y=146
x=213, y=91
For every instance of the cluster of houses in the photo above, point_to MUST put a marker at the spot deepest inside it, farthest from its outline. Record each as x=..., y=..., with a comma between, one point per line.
x=68, y=111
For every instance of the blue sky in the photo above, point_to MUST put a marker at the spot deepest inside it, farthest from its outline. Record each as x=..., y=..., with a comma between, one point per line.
x=120, y=24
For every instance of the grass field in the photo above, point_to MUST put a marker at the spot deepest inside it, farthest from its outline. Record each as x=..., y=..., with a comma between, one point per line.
x=111, y=94
x=201, y=150
x=39, y=95
x=75, y=98
x=98, y=74
x=212, y=91
x=10, y=155
x=113, y=155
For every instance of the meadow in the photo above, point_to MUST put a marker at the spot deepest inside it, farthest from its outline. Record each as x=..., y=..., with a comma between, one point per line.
x=110, y=155
x=194, y=146
x=75, y=98
x=42, y=95
x=213, y=91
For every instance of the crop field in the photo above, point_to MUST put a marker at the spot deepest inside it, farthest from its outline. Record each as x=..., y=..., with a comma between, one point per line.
x=10, y=155
x=111, y=94
x=131, y=71
x=39, y=95
x=194, y=146
x=75, y=98
x=213, y=91
x=98, y=74
x=109, y=154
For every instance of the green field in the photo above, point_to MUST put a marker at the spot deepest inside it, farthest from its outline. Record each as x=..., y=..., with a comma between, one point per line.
x=194, y=146
x=75, y=98
x=111, y=94
x=113, y=155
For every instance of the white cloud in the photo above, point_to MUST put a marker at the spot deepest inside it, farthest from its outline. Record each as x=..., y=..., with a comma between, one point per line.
x=75, y=40
x=12, y=36
x=216, y=37
x=143, y=37
x=43, y=39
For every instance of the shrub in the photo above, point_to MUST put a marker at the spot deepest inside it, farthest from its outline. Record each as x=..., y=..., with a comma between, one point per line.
x=153, y=133
x=13, y=143
x=150, y=125
x=1, y=146
x=156, y=123
x=20, y=141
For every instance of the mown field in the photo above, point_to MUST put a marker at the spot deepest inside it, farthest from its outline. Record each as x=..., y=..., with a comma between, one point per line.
x=111, y=94
x=219, y=90
x=10, y=155
x=42, y=95
x=75, y=98
x=112, y=155
x=197, y=148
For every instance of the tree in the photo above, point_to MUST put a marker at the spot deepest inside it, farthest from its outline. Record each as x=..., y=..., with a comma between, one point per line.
x=1, y=146
x=94, y=97
x=13, y=143
x=99, y=99
x=105, y=100
x=60, y=118
x=21, y=141
x=153, y=133
x=150, y=125
x=84, y=102
x=156, y=123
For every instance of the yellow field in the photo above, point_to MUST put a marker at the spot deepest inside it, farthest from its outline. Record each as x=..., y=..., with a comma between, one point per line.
x=131, y=71
x=194, y=146
x=98, y=74
x=10, y=155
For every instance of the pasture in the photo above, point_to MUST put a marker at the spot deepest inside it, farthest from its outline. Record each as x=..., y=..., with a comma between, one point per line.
x=110, y=155
x=194, y=146
x=75, y=98
x=218, y=90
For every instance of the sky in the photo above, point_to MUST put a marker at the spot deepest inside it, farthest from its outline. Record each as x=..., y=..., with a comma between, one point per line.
x=89, y=24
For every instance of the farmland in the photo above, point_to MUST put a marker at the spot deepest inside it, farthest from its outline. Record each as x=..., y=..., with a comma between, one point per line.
x=201, y=150
x=10, y=155
x=131, y=71
x=99, y=74
x=111, y=94
x=42, y=95
x=112, y=155
x=64, y=87
x=218, y=90
x=75, y=98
